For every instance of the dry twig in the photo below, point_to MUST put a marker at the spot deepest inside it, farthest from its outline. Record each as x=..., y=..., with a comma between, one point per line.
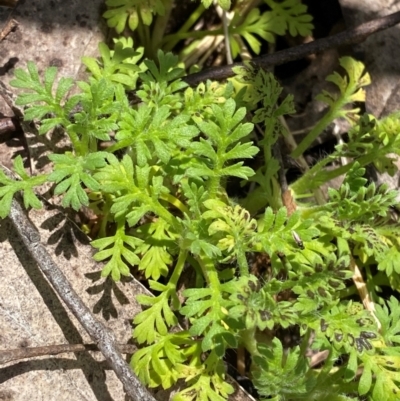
x=31, y=352
x=10, y=25
x=98, y=332
x=347, y=37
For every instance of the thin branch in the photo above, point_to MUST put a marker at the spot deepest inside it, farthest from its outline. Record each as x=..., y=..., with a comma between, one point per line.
x=31, y=352
x=7, y=29
x=347, y=37
x=362, y=289
x=318, y=358
x=98, y=332
x=8, y=3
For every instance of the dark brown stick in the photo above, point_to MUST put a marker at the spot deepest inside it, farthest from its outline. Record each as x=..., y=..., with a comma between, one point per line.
x=31, y=352
x=8, y=3
x=347, y=37
x=10, y=25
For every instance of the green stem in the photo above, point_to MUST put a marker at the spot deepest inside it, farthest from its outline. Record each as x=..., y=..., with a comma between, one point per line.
x=318, y=128
x=268, y=142
x=171, y=40
x=215, y=179
x=315, y=177
x=159, y=27
x=120, y=231
x=195, y=35
x=76, y=143
x=106, y=212
x=213, y=187
x=180, y=264
x=175, y=202
x=209, y=271
x=248, y=338
x=199, y=282
x=371, y=284
x=242, y=260
x=143, y=31
x=162, y=212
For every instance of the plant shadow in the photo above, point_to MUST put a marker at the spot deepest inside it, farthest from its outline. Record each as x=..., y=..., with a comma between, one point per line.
x=64, y=234
x=107, y=288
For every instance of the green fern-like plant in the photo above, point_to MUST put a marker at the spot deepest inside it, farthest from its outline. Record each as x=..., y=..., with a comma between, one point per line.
x=294, y=16
x=158, y=172
x=9, y=187
x=130, y=12
x=117, y=65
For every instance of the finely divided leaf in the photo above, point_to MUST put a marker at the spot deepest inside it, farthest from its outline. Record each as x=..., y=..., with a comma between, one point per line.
x=8, y=188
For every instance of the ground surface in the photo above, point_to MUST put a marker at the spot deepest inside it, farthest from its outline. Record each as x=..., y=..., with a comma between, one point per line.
x=53, y=32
